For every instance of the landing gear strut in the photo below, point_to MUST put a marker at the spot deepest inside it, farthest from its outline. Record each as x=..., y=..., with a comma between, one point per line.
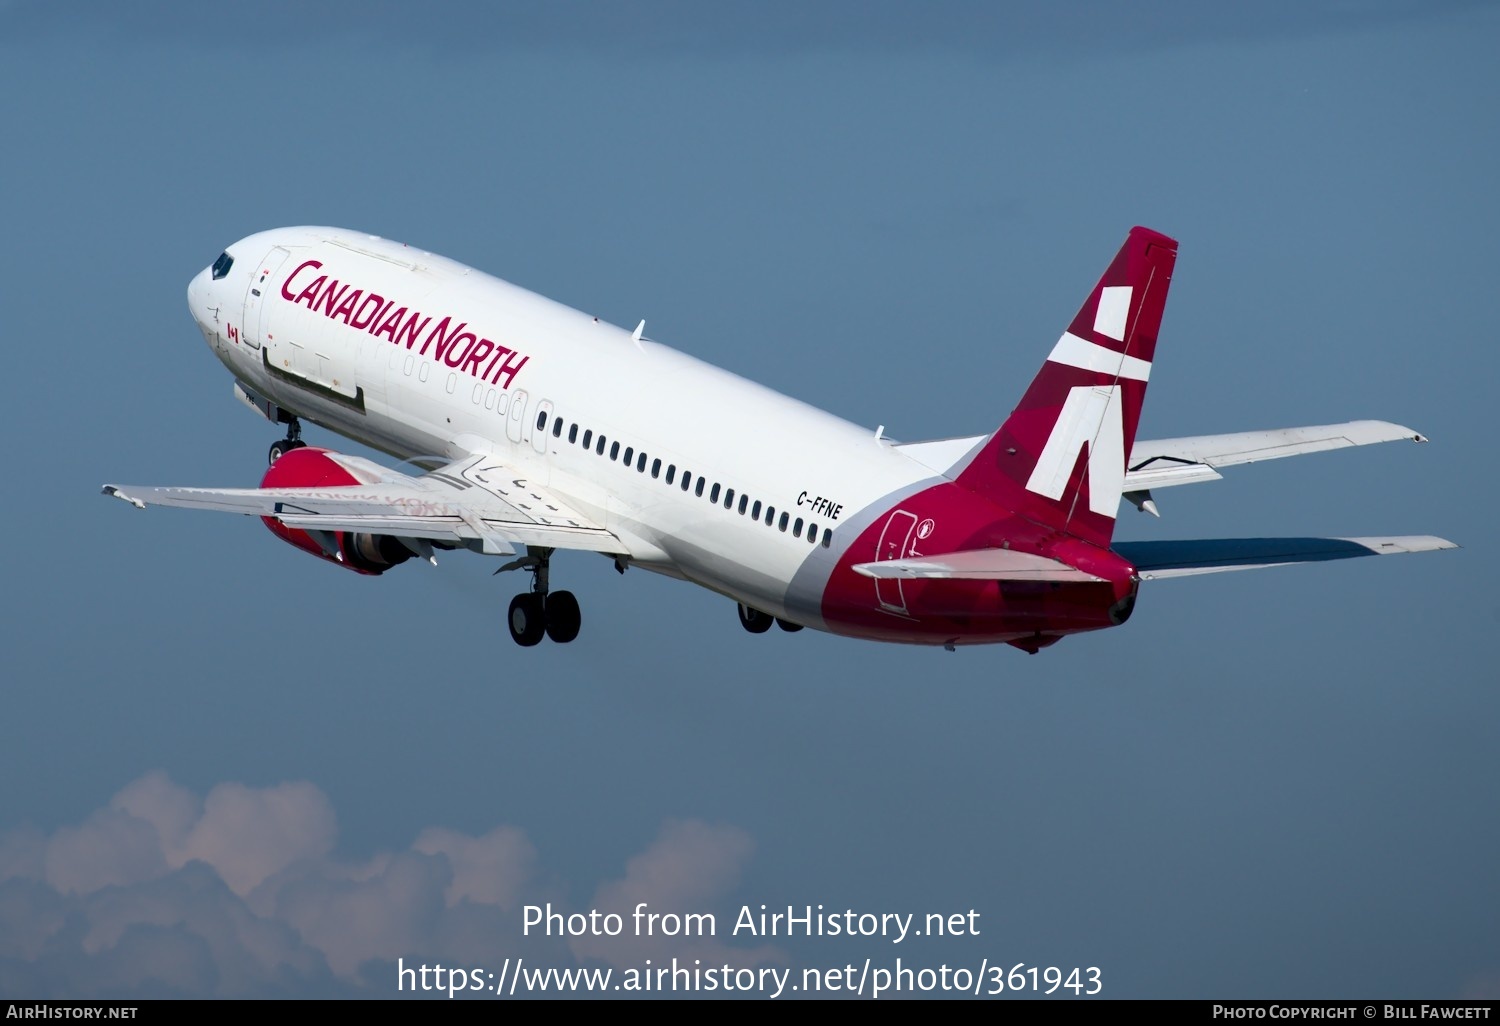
x=540, y=611
x=293, y=440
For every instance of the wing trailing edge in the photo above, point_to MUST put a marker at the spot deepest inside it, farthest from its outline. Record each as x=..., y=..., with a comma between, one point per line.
x=1155, y=560
x=1161, y=462
x=475, y=501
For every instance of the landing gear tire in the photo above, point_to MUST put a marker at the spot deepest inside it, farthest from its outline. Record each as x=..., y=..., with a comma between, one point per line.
x=540, y=612
x=788, y=626
x=753, y=620
x=527, y=619
x=293, y=440
x=562, y=616
x=281, y=447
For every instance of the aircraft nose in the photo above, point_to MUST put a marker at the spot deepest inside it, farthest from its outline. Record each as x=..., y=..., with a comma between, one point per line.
x=203, y=304
x=197, y=294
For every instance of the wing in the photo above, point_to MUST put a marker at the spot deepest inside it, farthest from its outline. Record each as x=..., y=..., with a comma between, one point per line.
x=1177, y=461
x=1159, y=559
x=1174, y=461
x=477, y=501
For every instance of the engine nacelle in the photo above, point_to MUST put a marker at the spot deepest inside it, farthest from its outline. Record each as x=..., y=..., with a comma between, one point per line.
x=311, y=467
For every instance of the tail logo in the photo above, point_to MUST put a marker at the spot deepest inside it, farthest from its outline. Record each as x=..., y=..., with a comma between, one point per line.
x=1091, y=416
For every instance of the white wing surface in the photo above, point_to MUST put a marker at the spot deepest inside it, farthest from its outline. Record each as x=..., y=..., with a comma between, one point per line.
x=477, y=502
x=1174, y=461
x=1164, y=462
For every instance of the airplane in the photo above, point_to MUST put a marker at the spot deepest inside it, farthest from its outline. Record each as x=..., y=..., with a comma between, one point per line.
x=531, y=427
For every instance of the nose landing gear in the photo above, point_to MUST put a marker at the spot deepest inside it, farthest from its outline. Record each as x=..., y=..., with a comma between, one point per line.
x=293, y=440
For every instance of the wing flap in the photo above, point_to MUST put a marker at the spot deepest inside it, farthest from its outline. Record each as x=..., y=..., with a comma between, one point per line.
x=976, y=564
x=1163, y=475
x=474, y=499
x=496, y=533
x=1155, y=560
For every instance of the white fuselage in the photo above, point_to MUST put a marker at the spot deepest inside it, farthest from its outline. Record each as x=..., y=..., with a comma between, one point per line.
x=420, y=356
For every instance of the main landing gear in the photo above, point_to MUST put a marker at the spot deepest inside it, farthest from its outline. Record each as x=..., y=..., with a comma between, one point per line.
x=756, y=622
x=293, y=440
x=540, y=612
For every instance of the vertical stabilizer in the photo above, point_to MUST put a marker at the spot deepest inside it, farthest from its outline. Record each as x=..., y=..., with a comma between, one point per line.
x=1059, y=459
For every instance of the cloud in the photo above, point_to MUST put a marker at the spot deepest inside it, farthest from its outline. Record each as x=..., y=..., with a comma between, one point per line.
x=172, y=810
x=163, y=893
x=248, y=834
x=488, y=870
x=685, y=871
x=108, y=848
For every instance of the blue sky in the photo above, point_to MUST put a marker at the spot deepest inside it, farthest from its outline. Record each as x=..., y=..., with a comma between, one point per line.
x=230, y=770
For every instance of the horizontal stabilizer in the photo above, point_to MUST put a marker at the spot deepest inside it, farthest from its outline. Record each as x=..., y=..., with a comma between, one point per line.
x=976, y=564
x=1158, y=559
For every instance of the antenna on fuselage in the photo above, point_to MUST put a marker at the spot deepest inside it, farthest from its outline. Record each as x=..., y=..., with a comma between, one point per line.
x=635, y=336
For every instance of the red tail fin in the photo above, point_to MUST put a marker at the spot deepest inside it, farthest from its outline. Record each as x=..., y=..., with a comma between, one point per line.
x=1059, y=459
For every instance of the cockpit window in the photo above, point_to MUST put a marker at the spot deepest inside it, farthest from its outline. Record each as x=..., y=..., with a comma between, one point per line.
x=222, y=265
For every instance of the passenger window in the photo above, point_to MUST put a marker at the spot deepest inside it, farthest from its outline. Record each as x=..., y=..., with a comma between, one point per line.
x=489, y=399
x=687, y=480
x=599, y=448
x=502, y=403
x=641, y=463
x=588, y=438
x=743, y=500
x=729, y=498
x=699, y=490
x=797, y=528
x=614, y=452
x=572, y=434
x=713, y=494
x=671, y=470
x=557, y=428
x=478, y=393
x=541, y=420
x=407, y=366
x=755, y=512
x=782, y=526
x=827, y=537
x=629, y=455
x=770, y=515
x=422, y=372
x=452, y=383
x=655, y=468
